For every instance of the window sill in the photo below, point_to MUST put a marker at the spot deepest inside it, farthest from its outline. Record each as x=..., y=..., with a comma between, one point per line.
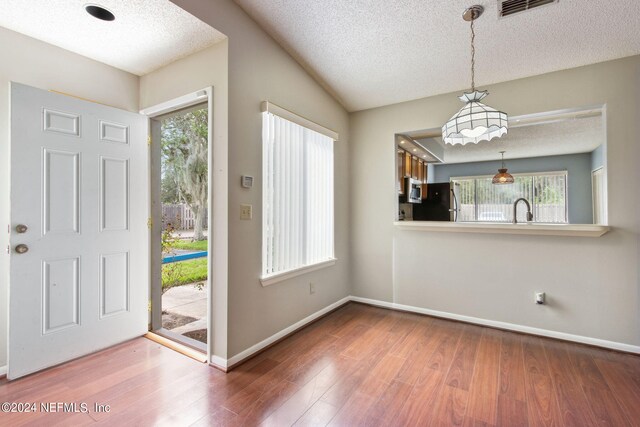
x=285, y=275
x=575, y=230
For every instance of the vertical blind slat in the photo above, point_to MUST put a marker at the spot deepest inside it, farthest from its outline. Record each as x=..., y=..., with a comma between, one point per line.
x=298, y=204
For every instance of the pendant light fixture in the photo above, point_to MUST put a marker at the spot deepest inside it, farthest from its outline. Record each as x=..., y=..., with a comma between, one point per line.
x=475, y=121
x=503, y=177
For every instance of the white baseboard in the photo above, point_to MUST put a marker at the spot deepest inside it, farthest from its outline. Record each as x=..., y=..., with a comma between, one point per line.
x=3, y=370
x=503, y=325
x=218, y=362
x=225, y=363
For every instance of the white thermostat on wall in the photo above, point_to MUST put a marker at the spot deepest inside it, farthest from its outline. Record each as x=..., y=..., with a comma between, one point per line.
x=247, y=181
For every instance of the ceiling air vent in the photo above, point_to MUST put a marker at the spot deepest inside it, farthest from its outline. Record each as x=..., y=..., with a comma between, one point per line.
x=511, y=7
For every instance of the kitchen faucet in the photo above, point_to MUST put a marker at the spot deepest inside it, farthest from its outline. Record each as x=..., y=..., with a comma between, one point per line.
x=515, y=210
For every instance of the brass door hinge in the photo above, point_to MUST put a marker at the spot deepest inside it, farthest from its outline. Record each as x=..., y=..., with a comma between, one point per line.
x=149, y=140
x=150, y=306
x=149, y=223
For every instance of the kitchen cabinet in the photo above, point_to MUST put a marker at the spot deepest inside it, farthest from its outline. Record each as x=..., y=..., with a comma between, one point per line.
x=414, y=167
x=407, y=164
x=410, y=166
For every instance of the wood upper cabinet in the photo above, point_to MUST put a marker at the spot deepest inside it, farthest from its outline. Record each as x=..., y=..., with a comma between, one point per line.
x=407, y=163
x=410, y=166
x=414, y=167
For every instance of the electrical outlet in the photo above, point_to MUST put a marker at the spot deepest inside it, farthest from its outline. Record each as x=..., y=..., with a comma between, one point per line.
x=312, y=288
x=245, y=212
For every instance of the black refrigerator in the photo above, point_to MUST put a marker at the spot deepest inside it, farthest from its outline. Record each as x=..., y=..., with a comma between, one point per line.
x=437, y=205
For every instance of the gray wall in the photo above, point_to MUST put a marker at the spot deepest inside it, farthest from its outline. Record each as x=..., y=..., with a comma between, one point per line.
x=259, y=70
x=597, y=157
x=209, y=67
x=591, y=283
x=578, y=167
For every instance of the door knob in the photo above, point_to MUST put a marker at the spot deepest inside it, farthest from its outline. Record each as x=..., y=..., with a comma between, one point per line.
x=21, y=249
x=21, y=228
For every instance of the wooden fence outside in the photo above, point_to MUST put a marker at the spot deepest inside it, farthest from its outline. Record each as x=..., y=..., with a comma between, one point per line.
x=180, y=217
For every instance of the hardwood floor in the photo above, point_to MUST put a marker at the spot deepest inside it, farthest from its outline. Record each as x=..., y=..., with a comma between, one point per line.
x=358, y=366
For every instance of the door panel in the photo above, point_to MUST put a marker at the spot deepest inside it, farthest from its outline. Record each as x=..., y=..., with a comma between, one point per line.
x=61, y=192
x=57, y=121
x=114, y=194
x=114, y=283
x=114, y=132
x=61, y=290
x=79, y=182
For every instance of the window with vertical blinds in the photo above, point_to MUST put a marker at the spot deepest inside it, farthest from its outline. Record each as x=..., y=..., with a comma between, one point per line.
x=482, y=201
x=297, y=229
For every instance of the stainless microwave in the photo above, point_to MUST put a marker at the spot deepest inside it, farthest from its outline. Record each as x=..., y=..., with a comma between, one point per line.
x=413, y=189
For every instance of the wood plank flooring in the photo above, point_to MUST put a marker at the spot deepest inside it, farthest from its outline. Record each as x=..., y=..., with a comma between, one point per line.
x=360, y=365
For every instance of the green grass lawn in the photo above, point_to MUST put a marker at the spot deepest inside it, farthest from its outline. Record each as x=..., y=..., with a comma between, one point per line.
x=200, y=245
x=184, y=272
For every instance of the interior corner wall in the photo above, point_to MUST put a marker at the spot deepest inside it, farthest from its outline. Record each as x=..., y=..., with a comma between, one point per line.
x=35, y=63
x=260, y=70
x=592, y=284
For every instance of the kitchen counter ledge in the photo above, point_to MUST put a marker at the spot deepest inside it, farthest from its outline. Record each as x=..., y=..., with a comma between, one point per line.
x=573, y=230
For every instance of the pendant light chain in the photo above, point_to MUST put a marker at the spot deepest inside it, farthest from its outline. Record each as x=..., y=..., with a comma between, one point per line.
x=473, y=57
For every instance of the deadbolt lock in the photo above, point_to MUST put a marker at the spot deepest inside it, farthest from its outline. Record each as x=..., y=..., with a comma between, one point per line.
x=21, y=228
x=21, y=249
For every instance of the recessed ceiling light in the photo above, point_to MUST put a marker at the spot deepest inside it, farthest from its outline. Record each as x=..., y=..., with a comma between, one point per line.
x=424, y=155
x=402, y=142
x=99, y=12
x=415, y=149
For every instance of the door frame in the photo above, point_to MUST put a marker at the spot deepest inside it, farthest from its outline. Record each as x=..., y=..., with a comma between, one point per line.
x=216, y=220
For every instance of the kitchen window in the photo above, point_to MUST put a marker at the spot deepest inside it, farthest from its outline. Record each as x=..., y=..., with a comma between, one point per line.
x=298, y=220
x=482, y=201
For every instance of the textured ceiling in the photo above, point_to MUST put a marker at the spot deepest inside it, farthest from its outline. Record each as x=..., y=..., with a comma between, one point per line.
x=370, y=53
x=145, y=35
x=549, y=139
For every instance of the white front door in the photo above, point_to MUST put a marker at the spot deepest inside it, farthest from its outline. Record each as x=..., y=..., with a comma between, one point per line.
x=79, y=268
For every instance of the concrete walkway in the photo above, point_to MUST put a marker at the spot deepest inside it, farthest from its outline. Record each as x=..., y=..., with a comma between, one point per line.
x=187, y=300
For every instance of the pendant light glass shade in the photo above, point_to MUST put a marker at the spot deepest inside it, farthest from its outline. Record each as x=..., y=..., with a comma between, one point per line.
x=474, y=122
x=502, y=177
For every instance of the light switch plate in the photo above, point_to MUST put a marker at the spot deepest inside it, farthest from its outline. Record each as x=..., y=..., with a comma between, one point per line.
x=246, y=212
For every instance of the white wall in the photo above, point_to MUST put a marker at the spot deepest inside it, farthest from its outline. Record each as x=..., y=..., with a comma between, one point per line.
x=259, y=70
x=29, y=61
x=592, y=284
